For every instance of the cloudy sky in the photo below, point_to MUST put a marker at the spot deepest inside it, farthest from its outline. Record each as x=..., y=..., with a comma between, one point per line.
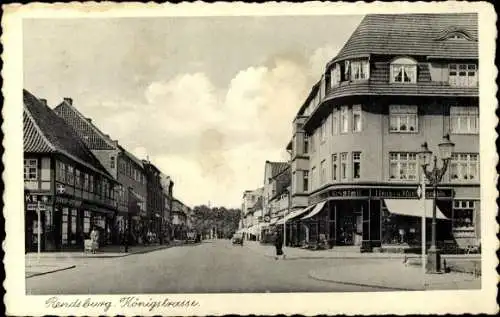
x=208, y=99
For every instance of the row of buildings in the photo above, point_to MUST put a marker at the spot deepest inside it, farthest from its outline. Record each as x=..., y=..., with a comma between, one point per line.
x=398, y=82
x=79, y=178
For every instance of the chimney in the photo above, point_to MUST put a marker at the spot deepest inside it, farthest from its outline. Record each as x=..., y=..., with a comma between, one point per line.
x=43, y=101
x=68, y=101
x=89, y=120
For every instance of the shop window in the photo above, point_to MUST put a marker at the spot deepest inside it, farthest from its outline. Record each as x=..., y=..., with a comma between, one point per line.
x=86, y=222
x=343, y=166
x=356, y=118
x=64, y=226
x=31, y=169
x=73, y=226
x=356, y=165
x=463, y=75
x=403, y=119
x=463, y=214
x=464, y=167
x=464, y=120
x=404, y=70
x=306, y=181
x=334, y=167
x=403, y=166
x=344, y=119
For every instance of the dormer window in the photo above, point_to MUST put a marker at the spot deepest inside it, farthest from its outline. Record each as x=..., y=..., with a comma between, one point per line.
x=463, y=75
x=360, y=70
x=454, y=33
x=403, y=70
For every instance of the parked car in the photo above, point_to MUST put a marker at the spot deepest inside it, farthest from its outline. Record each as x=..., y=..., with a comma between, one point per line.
x=237, y=239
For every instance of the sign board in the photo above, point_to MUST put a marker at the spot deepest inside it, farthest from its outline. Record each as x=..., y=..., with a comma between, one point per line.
x=419, y=191
x=31, y=206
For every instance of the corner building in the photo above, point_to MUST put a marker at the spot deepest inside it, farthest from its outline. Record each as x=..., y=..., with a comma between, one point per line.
x=399, y=81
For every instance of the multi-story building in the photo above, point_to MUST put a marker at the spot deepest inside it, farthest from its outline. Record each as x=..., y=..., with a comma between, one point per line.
x=125, y=168
x=155, y=198
x=167, y=187
x=251, y=210
x=398, y=82
x=271, y=170
x=179, y=220
x=74, y=190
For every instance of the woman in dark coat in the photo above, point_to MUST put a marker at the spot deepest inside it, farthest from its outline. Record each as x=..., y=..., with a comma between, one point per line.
x=278, y=243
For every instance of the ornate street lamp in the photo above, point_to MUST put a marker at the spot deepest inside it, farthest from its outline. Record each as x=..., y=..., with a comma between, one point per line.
x=434, y=177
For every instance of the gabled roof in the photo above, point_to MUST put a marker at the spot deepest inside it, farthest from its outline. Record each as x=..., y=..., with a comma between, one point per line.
x=94, y=138
x=131, y=156
x=413, y=34
x=45, y=132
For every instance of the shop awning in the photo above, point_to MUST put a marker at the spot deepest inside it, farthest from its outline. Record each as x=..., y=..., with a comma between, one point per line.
x=412, y=207
x=280, y=221
x=316, y=210
x=273, y=221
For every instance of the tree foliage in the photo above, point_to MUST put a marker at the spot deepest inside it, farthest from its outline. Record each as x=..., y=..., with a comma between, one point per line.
x=224, y=221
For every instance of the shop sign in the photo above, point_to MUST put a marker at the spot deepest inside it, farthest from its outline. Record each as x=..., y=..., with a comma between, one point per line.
x=68, y=201
x=409, y=193
x=31, y=206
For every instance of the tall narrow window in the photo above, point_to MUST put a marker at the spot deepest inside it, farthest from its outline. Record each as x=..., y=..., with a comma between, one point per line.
x=305, y=183
x=356, y=118
x=77, y=178
x=314, y=179
x=335, y=128
x=464, y=120
x=334, y=167
x=112, y=161
x=335, y=75
x=312, y=142
x=70, y=176
x=343, y=166
x=344, y=119
x=31, y=169
x=306, y=143
x=91, y=183
x=356, y=165
x=86, y=181
x=323, y=172
x=403, y=119
x=322, y=131
x=464, y=167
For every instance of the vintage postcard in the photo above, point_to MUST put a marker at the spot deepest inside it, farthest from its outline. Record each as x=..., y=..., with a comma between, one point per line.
x=230, y=158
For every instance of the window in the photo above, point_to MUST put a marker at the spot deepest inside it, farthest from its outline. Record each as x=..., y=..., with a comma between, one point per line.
x=70, y=176
x=404, y=73
x=86, y=181
x=78, y=182
x=322, y=130
x=402, y=166
x=334, y=167
x=356, y=164
x=344, y=119
x=61, y=171
x=356, y=118
x=335, y=75
x=403, y=119
x=86, y=222
x=463, y=75
x=31, y=169
x=306, y=181
x=335, y=128
x=360, y=70
x=91, y=183
x=343, y=166
x=463, y=214
x=314, y=180
x=64, y=226
x=464, y=167
x=306, y=143
x=323, y=172
x=312, y=142
x=464, y=120
x=112, y=162
x=345, y=71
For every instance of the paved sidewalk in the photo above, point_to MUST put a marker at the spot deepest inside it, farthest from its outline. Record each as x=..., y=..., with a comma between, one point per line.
x=50, y=262
x=394, y=275
x=339, y=252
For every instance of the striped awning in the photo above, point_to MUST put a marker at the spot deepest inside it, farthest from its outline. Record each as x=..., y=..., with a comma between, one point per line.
x=316, y=210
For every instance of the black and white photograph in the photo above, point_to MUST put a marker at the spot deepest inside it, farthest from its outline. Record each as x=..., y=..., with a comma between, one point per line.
x=232, y=152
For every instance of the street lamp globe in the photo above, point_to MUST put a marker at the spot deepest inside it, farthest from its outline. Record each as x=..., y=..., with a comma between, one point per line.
x=424, y=156
x=446, y=148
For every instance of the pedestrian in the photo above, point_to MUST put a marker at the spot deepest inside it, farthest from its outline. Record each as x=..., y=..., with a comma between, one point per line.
x=94, y=238
x=278, y=243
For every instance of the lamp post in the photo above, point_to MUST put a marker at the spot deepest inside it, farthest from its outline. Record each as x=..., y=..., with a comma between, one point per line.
x=434, y=176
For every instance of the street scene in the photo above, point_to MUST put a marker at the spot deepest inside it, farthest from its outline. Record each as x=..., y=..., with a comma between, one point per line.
x=168, y=155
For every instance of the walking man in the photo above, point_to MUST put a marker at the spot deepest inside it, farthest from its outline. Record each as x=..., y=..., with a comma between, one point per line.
x=278, y=243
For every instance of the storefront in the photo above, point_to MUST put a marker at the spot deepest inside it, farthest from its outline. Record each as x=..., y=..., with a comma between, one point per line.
x=370, y=217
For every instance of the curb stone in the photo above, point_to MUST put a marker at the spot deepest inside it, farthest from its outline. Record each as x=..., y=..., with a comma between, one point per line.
x=311, y=275
x=52, y=271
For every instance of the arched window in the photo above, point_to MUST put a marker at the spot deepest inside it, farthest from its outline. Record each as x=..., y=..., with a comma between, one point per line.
x=403, y=70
